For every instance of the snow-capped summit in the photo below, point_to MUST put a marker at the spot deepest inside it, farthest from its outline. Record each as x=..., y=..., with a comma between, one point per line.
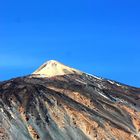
x=53, y=68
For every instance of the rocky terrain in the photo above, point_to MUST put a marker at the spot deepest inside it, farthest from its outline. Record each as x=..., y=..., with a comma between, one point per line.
x=57, y=102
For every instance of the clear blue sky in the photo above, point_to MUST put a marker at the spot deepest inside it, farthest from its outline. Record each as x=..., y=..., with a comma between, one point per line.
x=101, y=37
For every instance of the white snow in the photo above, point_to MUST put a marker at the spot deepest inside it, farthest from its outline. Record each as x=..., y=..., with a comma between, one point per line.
x=112, y=82
x=1, y=110
x=99, y=78
x=103, y=95
x=80, y=81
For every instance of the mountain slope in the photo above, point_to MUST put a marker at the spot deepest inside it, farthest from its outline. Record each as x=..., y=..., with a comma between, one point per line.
x=60, y=103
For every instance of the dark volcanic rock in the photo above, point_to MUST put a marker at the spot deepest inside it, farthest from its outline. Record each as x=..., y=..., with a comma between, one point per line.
x=68, y=107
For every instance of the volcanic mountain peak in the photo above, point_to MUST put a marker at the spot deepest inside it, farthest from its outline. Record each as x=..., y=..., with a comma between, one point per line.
x=68, y=105
x=53, y=68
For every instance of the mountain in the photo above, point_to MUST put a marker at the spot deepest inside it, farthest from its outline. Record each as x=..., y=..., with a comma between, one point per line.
x=57, y=102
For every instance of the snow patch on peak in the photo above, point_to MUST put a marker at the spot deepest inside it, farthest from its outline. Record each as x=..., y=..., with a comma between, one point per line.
x=54, y=68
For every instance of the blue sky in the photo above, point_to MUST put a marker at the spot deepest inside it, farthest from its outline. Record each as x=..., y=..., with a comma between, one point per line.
x=101, y=37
